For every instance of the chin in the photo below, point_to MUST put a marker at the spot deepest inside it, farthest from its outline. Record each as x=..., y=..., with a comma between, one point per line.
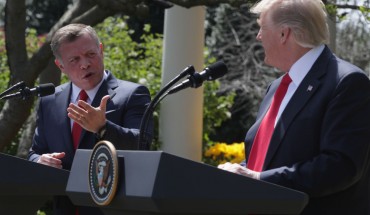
x=269, y=63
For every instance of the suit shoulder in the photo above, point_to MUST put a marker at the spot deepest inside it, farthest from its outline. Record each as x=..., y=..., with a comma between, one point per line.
x=127, y=83
x=61, y=87
x=346, y=68
x=130, y=86
x=58, y=90
x=339, y=70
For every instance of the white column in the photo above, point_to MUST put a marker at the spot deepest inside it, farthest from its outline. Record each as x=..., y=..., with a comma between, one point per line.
x=181, y=114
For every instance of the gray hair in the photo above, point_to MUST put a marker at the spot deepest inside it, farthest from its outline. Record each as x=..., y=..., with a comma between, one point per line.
x=70, y=33
x=306, y=18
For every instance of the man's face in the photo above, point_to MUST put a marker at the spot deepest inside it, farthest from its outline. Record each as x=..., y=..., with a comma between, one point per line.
x=270, y=36
x=82, y=61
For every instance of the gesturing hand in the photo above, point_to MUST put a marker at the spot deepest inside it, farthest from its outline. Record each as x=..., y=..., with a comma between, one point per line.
x=90, y=118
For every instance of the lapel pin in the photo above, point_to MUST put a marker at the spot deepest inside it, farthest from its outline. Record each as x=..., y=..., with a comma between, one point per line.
x=309, y=88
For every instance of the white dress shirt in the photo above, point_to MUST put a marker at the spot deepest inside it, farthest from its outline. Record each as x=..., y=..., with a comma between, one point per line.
x=297, y=73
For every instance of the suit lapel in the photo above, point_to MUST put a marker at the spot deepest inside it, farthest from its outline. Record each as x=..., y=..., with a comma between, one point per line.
x=107, y=88
x=304, y=92
x=62, y=99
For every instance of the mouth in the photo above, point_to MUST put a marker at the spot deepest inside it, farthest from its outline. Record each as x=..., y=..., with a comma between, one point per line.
x=87, y=76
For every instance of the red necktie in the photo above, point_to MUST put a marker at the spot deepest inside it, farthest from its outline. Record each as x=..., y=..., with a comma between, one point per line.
x=266, y=129
x=76, y=128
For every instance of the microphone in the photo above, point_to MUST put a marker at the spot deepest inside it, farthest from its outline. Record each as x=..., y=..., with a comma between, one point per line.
x=40, y=91
x=195, y=80
x=144, y=141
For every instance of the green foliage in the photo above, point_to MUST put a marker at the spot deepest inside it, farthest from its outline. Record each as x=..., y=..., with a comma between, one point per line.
x=331, y=9
x=4, y=68
x=41, y=213
x=342, y=9
x=216, y=108
x=128, y=60
x=136, y=62
x=365, y=11
x=141, y=63
x=4, y=80
x=132, y=61
x=33, y=41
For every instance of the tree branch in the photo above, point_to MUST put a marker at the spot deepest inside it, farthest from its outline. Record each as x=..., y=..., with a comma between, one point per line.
x=193, y=3
x=15, y=112
x=15, y=23
x=353, y=7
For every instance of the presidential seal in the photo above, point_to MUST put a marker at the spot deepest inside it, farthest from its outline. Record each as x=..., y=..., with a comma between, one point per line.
x=103, y=173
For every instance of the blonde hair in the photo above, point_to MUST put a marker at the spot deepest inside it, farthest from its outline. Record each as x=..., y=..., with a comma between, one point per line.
x=306, y=18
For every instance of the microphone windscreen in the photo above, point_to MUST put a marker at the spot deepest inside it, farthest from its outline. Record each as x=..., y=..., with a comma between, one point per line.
x=45, y=89
x=216, y=70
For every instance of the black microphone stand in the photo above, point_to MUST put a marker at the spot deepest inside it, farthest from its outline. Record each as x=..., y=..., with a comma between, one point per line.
x=24, y=91
x=144, y=143
x=20, y=85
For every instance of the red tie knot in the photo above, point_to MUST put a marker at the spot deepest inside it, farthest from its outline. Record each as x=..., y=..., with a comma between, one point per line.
x=286, y=79
x=83, y=95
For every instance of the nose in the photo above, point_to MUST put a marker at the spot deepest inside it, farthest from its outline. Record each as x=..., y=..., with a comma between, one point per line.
x=85, y=63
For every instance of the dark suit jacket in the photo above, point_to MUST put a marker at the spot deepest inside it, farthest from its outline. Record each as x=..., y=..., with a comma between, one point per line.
x=128, y=102
x=321, y=144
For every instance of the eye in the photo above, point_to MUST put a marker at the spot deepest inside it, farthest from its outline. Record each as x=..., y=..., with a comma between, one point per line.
x=91, y=54
x=72, y=60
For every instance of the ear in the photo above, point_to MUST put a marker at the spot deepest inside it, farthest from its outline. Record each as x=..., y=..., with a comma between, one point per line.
x=59, y=64
x=101, y=49
x=285, y=34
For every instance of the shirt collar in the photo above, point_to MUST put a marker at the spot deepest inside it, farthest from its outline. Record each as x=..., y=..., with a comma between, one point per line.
x=90, y=93
x=301, y=67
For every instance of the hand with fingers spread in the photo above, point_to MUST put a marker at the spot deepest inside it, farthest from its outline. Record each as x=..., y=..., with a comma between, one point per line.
x=90, y=118
x=52, y=159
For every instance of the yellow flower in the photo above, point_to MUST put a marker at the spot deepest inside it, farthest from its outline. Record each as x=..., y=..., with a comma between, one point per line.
x=222, y=152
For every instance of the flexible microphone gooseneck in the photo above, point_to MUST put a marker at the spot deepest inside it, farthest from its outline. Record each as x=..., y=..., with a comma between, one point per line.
x=19, y=85
x=194, y=80
x=144, y=142
x=25, y=92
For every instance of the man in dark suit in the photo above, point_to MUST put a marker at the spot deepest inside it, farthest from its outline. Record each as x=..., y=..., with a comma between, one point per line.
x=111, y=109
x=320, y=138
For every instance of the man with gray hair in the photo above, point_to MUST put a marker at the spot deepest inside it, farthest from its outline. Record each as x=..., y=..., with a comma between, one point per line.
x=312, y=131
x=93, y=106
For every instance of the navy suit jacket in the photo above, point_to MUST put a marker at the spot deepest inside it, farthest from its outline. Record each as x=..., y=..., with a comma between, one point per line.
x=321, y=143
x=127, y=104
